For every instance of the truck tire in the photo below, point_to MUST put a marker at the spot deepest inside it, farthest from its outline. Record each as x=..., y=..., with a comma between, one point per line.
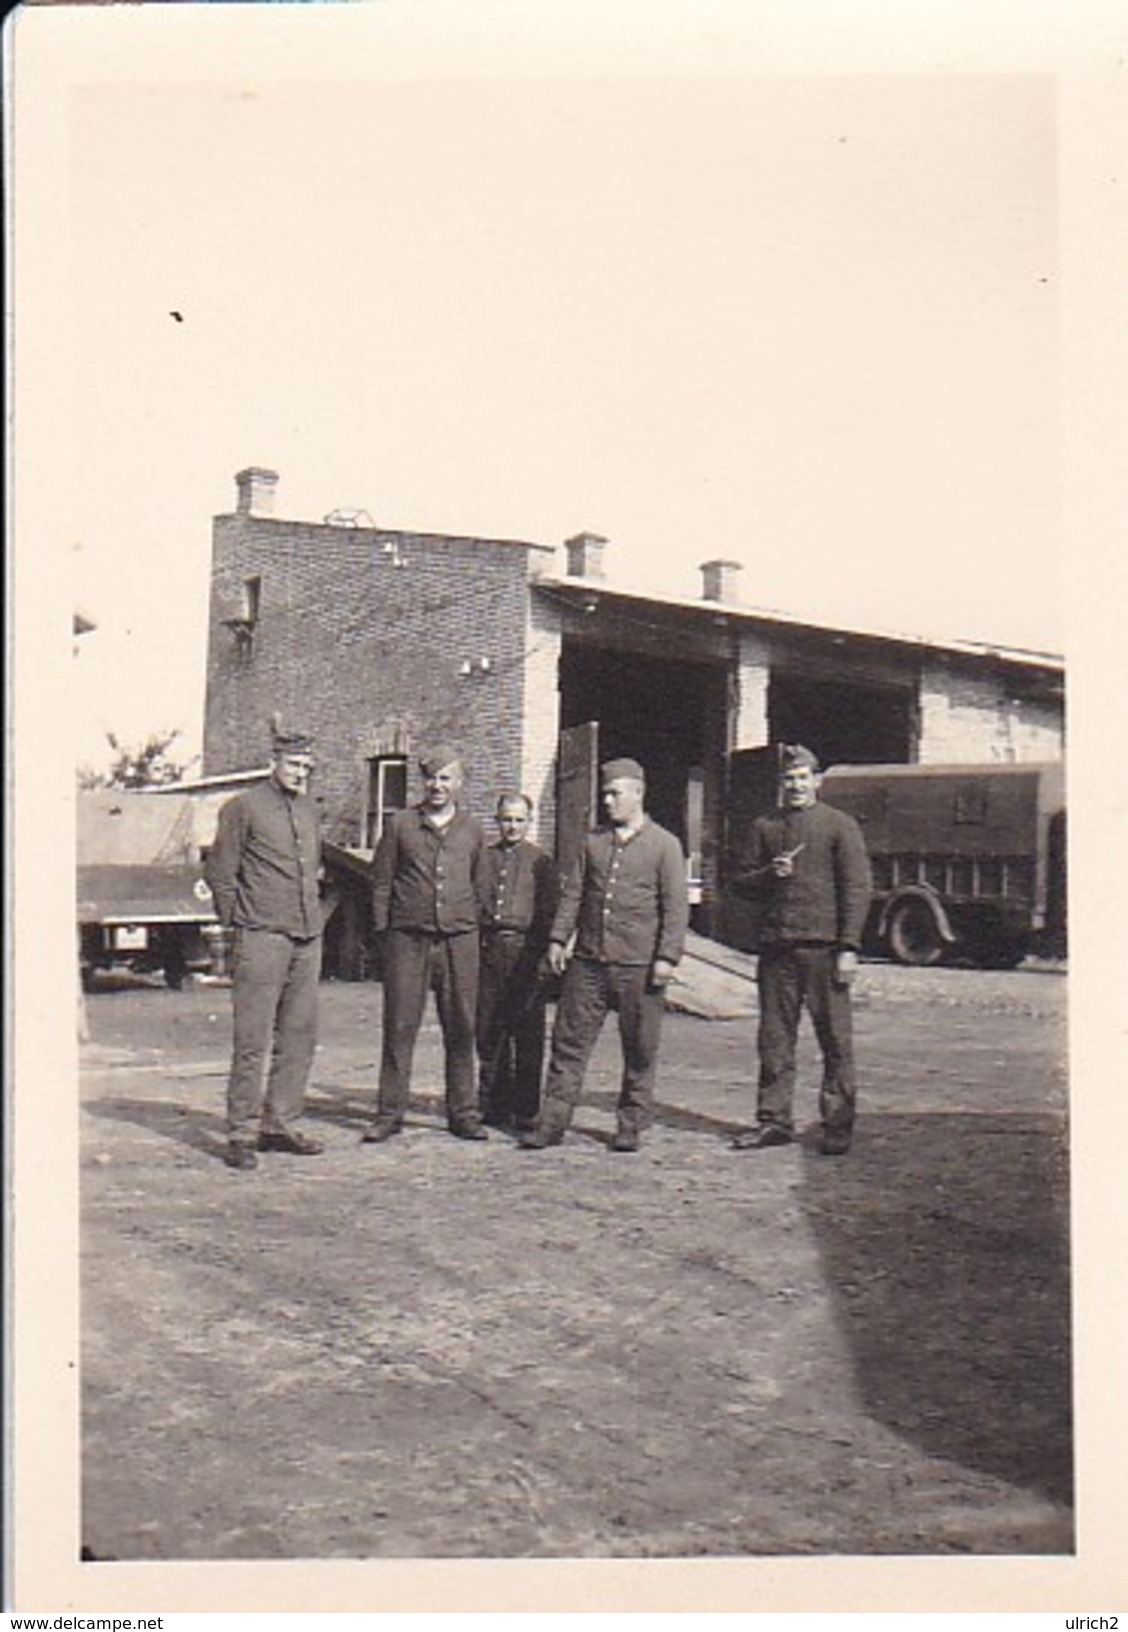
x=174, y=958
x=1002, y=952
x=912, y=933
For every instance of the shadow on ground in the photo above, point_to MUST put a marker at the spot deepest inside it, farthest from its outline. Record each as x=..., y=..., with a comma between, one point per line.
x=945, y=1242
x=180, y=1121
x=186, y=1122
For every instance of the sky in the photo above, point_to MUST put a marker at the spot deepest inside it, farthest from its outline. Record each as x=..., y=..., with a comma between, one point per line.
x=808, y=321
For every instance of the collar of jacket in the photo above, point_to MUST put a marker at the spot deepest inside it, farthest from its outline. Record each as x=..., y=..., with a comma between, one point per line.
x=613, y=832
x=283, y=794
x=425, y=819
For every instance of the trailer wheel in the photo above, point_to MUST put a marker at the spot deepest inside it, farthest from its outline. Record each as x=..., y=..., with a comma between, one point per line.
x=912, y=933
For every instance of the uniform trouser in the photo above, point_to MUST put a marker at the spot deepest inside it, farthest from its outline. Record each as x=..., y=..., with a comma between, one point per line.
x=787, y=978
x=274, y=997
x=416, y=962
x=510, y=1029
x=590, y=990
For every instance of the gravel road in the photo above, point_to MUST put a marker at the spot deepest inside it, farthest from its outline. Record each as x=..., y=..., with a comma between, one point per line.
x=439, y=1349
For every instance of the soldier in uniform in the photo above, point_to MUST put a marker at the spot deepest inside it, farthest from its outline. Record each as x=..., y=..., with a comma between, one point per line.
x=427, y=893
x=521, y=897
x=806, y=868
x=624, y=910
x=263, y=870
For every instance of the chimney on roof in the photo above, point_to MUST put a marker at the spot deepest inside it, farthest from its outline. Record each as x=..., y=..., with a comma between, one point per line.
x=256, y=487
x=585, y=555
x=720, y=580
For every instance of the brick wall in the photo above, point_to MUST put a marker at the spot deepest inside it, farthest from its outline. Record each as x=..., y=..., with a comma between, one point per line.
x=367, y=654
x=753, y=672
x=968, y=716
x=541, y=715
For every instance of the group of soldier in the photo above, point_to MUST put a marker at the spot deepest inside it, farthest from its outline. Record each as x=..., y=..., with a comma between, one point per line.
x=489, y=929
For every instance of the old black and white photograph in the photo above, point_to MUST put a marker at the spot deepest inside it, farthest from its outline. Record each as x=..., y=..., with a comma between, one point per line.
x=544, y=573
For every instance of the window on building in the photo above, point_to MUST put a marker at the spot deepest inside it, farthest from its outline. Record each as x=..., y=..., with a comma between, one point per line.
x=252, y=598
x=386, y=792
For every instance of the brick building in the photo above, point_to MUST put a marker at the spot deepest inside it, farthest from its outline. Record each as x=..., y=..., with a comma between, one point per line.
x=381, y=641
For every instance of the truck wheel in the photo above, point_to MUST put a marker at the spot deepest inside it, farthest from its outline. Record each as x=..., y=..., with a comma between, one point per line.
x=913, y=935
x=175, y=962
x=1003, y=954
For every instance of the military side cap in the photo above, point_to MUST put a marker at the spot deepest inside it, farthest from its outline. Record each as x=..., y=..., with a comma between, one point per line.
x=793, y=755
x=292, y=742
x=437, y=759
x=622, y=767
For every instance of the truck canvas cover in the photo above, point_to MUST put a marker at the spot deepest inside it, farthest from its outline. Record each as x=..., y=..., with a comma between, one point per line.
x=139, y=858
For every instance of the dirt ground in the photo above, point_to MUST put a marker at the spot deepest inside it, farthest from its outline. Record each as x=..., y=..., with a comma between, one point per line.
x=432, y=1348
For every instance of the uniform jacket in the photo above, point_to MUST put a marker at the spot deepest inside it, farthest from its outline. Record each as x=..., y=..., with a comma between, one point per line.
x=521, y=891
x=825, y=901
x=263, y=867
x=429, y=878
x=626, y=901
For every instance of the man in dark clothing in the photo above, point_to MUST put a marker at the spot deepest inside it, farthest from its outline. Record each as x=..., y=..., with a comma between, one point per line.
x=521, y=898
x=263, y=872
x=626, y=904
x=805, y=865
x=427, y=894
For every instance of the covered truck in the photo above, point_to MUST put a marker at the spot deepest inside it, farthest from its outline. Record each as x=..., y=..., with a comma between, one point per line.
x=969, y=861
x=142, y=902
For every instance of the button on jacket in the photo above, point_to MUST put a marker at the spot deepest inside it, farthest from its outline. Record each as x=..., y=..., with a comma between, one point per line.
x=825, y=901
x=626, y=898
x=521, y=893
x=263, y=867
x=428, y=877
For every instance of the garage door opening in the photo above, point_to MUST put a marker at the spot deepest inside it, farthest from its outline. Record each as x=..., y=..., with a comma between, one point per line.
x=842, y=722
x=668, y=715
